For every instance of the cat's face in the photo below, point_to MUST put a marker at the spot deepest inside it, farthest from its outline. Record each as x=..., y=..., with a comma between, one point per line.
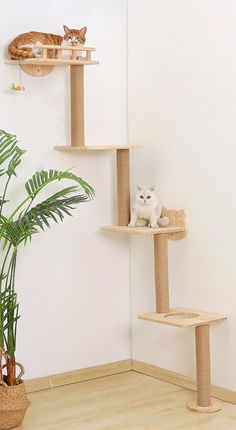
x=75, y=37
x=146, y=195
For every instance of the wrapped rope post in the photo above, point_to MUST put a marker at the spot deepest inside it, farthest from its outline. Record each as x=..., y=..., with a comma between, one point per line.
x=77, y=105
x=161, y=272
x=123, y=186
x=204, y=401
x=203, y=366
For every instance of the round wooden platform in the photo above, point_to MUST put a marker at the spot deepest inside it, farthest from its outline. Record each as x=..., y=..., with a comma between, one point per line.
x=214, y=407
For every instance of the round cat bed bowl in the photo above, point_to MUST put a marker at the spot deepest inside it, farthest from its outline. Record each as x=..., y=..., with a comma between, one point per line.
x=181, y=315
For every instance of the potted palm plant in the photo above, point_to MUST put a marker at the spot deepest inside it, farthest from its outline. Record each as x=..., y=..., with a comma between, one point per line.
x=16, y=229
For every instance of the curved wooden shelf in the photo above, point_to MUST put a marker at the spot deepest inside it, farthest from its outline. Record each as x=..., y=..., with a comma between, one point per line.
x=68, y=148
x=190, y=317
x=144, y=231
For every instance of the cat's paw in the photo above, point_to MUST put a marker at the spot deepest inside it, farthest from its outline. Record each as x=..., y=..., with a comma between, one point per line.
x=153, y=225
x=131, y=224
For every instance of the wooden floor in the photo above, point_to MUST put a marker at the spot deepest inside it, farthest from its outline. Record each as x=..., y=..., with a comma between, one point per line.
x=128, y=401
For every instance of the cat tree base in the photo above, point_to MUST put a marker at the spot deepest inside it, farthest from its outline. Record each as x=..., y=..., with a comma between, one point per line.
x=187, y=318
x=204, y=402
x=213, y=407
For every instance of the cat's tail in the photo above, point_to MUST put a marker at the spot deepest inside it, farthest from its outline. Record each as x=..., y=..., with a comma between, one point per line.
x=16, y=53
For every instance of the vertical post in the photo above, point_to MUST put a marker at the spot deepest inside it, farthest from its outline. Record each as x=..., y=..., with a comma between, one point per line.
x=45, y=53
x=204, y=401
x=77, y=105
x=203, y=365
x=58, y=54
x=74, y=54
x=123, y=186
x=161, y=272
x=88, y=56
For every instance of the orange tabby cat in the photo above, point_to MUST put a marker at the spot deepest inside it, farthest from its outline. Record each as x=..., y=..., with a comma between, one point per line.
x=17, y=50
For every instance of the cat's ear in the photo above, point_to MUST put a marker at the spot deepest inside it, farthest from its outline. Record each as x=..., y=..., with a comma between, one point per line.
x=152, y=187
x=66, y=29
x=139, y=188
x=83, y=31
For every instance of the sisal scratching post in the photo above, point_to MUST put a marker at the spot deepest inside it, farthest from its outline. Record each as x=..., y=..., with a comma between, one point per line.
x=77, y=105
x=161, y=272
x=204, y=401
x=123, y=186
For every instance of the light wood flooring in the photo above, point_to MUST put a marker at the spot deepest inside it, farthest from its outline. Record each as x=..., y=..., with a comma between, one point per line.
x=128, y=401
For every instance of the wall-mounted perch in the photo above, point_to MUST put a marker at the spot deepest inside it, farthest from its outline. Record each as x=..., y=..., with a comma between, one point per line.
x=54, y=55
x=62, y=56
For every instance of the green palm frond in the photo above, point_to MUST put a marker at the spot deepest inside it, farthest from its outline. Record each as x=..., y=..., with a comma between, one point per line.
x=8, y=302
x=41, y=179
x=9, y=315
x=8, y=143
x=3, y=220
x=3, y=201
x=25, y=221
x=4, y=299
x=52, y=209
x=15, y=161
x=9, y=150
x=15, y=234
x=11, y=324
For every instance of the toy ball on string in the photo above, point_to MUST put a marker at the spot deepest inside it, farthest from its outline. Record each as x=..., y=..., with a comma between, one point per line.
x=16, y=88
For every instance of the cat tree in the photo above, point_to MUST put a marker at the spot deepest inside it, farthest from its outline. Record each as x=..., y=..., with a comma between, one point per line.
x=178, y=317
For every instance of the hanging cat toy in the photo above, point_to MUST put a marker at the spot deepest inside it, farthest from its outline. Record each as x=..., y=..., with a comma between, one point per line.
x=17, y=88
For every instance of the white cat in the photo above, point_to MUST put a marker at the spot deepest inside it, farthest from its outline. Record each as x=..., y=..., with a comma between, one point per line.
x=147, y=209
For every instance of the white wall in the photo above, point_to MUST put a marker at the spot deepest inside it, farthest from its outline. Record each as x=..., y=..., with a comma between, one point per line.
x=72, y=281
x=182, y=99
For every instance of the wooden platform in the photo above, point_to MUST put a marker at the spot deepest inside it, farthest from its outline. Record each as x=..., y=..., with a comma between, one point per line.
x=144, y=231
x=183, y=317
x=52, y=62
x=73, y=52
x=68, y=148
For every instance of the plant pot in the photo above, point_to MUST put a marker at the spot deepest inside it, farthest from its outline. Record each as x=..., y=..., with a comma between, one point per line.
x=13, y=405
